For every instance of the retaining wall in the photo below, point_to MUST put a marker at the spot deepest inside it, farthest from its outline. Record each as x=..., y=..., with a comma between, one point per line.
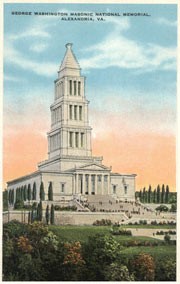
x=68, y=218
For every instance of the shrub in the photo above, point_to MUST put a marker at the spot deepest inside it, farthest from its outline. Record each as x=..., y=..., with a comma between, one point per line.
x=65, y=208
x=167, y=238
x=162, y=208
x=165, y=270
x=143, y=267
x=121, y=232
x=103, y=222
x=19, y=204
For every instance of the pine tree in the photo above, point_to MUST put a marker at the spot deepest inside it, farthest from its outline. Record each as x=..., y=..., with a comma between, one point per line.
x=40, y=211
x=12, y=197
x=42, y=193
x=47, y=214
x=158, y=194
x=9, y=196
x=22, y=193
x=140, y=195
x=29, y=192
x=34, y=191
x=50, y=192
x=144, y=195
x=167, y=194
x=52, y=214
x=163, y=194
x=25, y=193
x=154, y=196
x=149, y=194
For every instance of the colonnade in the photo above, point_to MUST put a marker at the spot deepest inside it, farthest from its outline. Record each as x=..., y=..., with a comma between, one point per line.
x=92, y=183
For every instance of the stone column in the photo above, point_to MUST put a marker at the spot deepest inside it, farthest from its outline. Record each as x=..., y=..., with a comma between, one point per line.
x=102, y=184
x=77, y=183
x=95, y=181
x=83, y=184
x=89, y=184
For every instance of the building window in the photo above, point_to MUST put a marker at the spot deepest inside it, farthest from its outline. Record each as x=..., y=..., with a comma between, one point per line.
x=125, y=189
x=114, y=189
x=99, y=178
x=82, y=139
x=93, y=184
x=80, y=112
x=71, y=139
x=70, y=87
x=87, y=182
x=75, y=112
x=62, y=187
x=76, y=139
x=79, y=88
x=74, y=88
x=70, y=111
x=105, y=178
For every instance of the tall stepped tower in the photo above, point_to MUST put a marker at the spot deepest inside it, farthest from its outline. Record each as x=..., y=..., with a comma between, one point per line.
x=69, y=140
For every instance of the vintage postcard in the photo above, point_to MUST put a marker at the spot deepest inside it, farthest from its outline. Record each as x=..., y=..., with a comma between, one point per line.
x=89, y=141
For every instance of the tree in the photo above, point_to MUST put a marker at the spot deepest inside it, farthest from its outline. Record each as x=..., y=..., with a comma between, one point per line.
x=163, y=194
x=5, y=200
x=18, y=196
x=22, y=193
x=12, y=197
x=154, y=196
x=167, y=238
x=149, y=194
x=42, y=193
x=173, y=207
x=29, y=192
x=99, y=252
x=52, y=214
x=140, y=196
x=144, y=195
x=50, y=192
x=25, y=193
x=34, y=191
x=39, y=211
x=118, y=272
x=47, y=214
x=167, y=194
x=158, y=194
x=166, y=269
x=143, y=267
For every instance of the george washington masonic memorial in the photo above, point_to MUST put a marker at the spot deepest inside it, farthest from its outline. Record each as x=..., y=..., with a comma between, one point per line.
x=70, y=168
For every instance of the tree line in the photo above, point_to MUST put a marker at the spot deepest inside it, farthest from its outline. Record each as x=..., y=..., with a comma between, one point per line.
x=161, y=194
x=26, y=193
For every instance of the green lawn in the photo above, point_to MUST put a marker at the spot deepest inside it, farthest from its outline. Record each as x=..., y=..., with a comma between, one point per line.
x=81, y=233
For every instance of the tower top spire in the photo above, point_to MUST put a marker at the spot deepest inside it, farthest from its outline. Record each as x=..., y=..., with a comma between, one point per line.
x=70, y=65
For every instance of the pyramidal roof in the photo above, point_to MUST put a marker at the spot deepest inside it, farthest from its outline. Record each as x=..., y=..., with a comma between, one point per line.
x=69, y=60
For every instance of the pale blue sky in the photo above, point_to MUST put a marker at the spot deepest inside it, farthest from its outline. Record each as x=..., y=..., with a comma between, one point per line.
x=132, y=59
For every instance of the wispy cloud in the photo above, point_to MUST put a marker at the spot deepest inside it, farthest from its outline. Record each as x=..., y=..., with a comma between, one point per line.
x=164, y=21
x=12, y=78
x=47, y=69
x=116, y=50
x=124, y=53
x=38, y=47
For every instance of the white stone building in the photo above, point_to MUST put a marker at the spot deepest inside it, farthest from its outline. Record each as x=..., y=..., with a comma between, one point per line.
x=70, y=166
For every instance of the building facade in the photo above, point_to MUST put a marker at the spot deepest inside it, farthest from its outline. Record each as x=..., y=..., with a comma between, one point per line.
x=71, y=168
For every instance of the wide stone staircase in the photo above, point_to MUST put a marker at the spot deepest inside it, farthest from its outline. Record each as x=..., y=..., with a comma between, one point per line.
x=135, y=211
